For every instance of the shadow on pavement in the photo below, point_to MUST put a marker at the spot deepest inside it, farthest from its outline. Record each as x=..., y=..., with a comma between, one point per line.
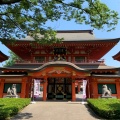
x=21, y=116
x=92, y=113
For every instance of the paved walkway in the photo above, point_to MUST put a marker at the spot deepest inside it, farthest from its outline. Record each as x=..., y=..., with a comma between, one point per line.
x=54, y=110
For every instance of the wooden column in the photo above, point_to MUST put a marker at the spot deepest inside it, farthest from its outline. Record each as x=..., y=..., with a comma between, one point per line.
x=28, y=87
x=79, y=84
x=95, y=89
x=67, y=58
x=23, y=90
x=73, y=91
x=47, y=58
x=118, y=88
x=45, y=89
x=1, y=87
x=73, y=59
x=88, y=88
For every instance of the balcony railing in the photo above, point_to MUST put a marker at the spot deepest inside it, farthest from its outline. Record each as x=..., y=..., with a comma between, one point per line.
x=29, y=62
x=90, y=61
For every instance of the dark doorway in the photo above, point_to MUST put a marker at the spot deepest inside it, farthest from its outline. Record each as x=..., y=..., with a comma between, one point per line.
x=59, y=88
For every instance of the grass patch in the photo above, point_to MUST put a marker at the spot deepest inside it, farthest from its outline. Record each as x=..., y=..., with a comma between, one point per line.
x=11, y=106
x=106, y=108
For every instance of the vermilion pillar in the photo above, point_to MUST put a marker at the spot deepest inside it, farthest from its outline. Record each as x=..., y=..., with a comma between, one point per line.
x=28, y=87
x=118, y=88
x=45, y=89
x=1, y=87
x=73, y=91
x=23, y=90
x=88, y=88
x=79, y=87
x=95, y=89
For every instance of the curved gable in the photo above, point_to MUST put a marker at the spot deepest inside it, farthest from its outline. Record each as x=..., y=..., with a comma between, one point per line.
x=59, y=68
x=59, y=64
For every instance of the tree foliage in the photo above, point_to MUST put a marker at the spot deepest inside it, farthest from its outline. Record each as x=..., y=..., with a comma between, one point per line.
x=19, y=18
x=12, y=59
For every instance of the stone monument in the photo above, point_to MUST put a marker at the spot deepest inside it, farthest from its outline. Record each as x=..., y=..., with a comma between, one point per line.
x=106, y=93
x=12, y=93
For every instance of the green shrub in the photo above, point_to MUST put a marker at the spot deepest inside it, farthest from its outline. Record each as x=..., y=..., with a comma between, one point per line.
x=106, y=108
x=11, y=106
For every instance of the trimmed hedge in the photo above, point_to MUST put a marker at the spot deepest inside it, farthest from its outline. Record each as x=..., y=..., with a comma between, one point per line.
x=106, y=108
x=11, y=106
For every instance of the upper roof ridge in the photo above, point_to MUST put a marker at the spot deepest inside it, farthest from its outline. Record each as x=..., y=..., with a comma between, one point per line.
x=75, y=31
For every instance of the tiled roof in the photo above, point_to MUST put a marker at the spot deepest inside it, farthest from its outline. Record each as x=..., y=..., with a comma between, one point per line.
x=74, y=35
x=80, y=66
x=40, y=67
x=3, y=57
x=59, y=63
x=106, y=76
x=95, y=66
x=71, y=35
x=24, y=66
x=117, y=56
x=2, y=75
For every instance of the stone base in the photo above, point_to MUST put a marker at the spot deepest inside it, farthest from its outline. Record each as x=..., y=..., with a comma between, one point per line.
x=106, y=97
x=11, y=96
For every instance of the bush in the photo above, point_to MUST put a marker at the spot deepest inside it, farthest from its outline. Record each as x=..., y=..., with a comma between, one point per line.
x=106, y=108
x=11, y=106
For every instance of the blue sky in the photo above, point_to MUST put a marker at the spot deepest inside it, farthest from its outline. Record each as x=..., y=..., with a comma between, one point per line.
x=71, y=25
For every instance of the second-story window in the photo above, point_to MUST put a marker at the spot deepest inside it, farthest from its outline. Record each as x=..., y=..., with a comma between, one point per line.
x=80, y=58
x=59, y=51
x=39, y=58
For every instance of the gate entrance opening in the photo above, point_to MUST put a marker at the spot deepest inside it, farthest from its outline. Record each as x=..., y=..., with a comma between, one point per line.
x=59, y=88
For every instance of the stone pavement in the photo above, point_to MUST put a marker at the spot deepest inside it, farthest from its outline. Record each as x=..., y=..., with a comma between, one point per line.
x=56, y=110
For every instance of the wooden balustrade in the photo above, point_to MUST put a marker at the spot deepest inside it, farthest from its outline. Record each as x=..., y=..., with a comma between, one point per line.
x=89, y=61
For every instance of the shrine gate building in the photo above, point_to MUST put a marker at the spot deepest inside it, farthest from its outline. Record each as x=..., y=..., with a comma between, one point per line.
x=61, y=67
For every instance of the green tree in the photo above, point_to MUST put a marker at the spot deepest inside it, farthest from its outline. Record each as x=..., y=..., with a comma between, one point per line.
x=12, y=59
x=19, y=18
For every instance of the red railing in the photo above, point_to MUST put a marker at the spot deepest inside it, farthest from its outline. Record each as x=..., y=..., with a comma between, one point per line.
x=29, y=62
x=90, y=61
